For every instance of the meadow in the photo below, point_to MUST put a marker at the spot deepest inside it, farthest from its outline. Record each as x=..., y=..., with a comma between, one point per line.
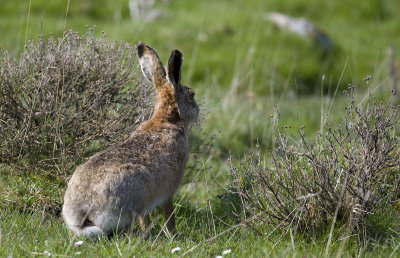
x=245, y=71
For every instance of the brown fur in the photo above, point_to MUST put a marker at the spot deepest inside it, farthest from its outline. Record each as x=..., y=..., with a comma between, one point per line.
x=113, y=187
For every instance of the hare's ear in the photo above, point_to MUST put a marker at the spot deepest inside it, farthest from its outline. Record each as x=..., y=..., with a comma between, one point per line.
x=174, y=67
x=152, y=68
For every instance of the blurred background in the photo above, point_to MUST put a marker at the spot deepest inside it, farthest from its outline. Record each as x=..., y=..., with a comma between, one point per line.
x=243, y=57
x=247, y=60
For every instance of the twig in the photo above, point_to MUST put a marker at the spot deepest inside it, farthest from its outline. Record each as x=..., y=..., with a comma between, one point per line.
x=27, y=24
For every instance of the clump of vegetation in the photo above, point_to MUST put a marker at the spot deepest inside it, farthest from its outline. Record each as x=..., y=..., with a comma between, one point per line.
x=68, y=96
x=339, y=178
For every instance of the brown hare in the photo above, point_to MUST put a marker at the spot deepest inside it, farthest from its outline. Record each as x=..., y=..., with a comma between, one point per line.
x=128, y=180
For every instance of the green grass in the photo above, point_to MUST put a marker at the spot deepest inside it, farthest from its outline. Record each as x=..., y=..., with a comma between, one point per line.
x=25, y=234
x=241, y=67
x=219, y=36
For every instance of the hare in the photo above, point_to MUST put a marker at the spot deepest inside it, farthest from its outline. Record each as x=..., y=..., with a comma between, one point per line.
x=116, y=186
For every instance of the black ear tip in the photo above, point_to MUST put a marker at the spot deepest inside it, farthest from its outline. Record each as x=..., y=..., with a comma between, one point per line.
x=140, y=49
x=176, y=53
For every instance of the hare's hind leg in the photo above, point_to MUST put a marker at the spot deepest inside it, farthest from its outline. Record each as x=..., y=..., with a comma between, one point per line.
x=169, y=215
x=145, y=224
x=145, y=221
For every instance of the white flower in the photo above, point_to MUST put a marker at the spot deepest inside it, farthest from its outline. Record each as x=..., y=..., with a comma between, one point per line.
x=227, y=251
x=176, y=249
x=47, y=253
x=79, y=243
x=350, y=125
x=218, y=256
x=78, y=253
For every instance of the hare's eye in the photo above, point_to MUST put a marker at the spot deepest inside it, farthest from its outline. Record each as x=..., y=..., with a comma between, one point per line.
x=191, y=94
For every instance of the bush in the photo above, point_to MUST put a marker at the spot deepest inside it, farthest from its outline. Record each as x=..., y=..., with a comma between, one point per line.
x=339, y=178
x=66, y=97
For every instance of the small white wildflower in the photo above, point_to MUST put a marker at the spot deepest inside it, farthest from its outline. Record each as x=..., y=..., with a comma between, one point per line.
x=78, y=253
x=176, y=249
x=218, y=256
x=79, y=243
x=47, y=253
x=227, y=251
x=350, y=125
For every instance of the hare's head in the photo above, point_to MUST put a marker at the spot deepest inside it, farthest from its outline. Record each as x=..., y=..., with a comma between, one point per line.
x=175, y=102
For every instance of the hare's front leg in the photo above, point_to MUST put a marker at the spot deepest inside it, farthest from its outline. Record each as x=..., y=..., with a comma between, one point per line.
x=169, y=215
x=145, y=223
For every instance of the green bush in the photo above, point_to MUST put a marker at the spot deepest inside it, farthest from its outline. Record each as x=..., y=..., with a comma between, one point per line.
x=66, y=97
x=342, y=176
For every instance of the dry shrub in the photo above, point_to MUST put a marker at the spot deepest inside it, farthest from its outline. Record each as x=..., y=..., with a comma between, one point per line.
x=340, y=177
x=66, y=97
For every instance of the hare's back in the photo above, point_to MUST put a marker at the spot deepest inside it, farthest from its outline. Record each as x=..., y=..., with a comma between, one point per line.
x=137, y=150
x=151, y=150
x=143, y=154
x=156, y=158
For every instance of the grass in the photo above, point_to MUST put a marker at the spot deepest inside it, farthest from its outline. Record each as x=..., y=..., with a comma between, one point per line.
x=37, y=234
x=242, y=67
